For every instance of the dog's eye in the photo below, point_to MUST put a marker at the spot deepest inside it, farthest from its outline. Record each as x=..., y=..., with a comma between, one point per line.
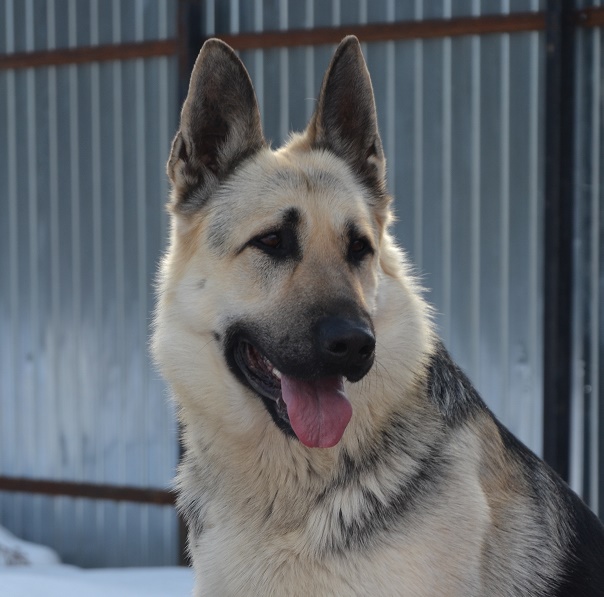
x=280, y=244
x=271, y=241
x=358, y=246
x=358, y=249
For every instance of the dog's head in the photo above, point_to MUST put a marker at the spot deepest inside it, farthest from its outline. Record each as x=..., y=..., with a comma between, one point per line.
x=269, y=288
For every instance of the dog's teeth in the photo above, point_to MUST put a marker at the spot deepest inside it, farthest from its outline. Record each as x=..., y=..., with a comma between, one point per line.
x=276, y=373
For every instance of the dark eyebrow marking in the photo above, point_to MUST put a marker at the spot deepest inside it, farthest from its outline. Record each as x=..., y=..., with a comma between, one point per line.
x=353, y=231
x=290, y=219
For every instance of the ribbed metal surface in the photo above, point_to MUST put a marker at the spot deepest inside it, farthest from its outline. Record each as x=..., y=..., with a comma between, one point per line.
x=587, y=453
x=461, y=125
x=82, y=189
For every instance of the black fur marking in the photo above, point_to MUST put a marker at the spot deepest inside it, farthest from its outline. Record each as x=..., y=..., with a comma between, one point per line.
x=291, y=217
x=583, y=574
x=450, y=389
x=378, y=519
x=216, y=336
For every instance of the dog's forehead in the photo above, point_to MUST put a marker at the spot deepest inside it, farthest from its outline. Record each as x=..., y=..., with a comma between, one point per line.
x=316, y=186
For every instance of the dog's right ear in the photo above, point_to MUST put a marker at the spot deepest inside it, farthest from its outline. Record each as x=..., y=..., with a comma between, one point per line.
x=219, y=126
x=345, y=119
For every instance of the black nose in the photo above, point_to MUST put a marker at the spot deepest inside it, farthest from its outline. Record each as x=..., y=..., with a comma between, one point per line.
x=346, y=344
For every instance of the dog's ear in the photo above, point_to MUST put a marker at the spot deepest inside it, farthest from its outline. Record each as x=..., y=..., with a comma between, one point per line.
x=345, y=120
x=219, y=126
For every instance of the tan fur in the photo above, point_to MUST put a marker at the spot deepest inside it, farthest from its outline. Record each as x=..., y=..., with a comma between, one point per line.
x=271, y=508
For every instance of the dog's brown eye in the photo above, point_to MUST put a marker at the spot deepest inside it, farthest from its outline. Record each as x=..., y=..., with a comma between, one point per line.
x=281, y=244
x=358, y=245
x=358, y=249
x=273, y=241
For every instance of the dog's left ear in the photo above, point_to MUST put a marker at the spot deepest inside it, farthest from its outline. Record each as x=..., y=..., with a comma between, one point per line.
x=345, y=120
x=219, y=126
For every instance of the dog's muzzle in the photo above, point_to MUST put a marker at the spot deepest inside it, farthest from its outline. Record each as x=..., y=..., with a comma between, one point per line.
x=304, y=391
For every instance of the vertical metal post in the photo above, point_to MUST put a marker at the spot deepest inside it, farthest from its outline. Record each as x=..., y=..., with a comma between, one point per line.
x=475, y=196
x=418, y=142
x=191, y=36
x=559, y=170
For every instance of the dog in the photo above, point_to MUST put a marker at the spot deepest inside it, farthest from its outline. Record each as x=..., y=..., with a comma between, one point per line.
x=332, y=447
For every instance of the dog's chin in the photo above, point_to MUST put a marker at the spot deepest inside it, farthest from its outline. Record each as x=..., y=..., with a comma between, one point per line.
x=264, y=379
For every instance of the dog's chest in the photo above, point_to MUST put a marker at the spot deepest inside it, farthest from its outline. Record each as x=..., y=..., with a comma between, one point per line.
x=258, y=541
x=235, y=556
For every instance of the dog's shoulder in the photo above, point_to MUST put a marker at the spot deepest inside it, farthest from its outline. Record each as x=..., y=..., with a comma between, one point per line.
x=450, y=390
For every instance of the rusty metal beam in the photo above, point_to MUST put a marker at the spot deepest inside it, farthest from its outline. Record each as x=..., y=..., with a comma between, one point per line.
x=375, y=32
x=84, y=54
x=426, y=29
x=116, y=493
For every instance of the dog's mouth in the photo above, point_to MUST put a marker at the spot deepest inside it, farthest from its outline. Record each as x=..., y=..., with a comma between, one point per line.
x=317, y=411
x=261, y=374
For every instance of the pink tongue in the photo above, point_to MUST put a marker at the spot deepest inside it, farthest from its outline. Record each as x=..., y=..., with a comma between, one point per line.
x=318, y=410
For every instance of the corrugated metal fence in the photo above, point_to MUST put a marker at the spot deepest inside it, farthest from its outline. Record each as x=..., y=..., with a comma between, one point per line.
x=587, y=449
x=82, y=184
x=82, y=189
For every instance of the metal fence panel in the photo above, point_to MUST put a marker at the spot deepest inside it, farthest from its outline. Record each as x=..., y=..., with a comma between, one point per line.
x=83, y=151
x=587, y=445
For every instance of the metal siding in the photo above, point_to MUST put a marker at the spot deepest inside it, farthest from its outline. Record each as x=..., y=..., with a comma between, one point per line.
x=587, y=445
x=84, y=150
x=596, y=277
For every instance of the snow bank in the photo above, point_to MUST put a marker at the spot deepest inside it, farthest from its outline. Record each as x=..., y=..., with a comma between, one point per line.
x=30, y=570
x=16, y=552
x=68, y=581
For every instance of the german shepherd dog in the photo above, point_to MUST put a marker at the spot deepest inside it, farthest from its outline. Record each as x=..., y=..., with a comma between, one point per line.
x=332, y=447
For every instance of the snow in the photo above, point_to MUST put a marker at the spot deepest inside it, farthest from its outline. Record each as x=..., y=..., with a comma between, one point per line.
x=68, y=581
x=30, y=570
x=16, y=552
